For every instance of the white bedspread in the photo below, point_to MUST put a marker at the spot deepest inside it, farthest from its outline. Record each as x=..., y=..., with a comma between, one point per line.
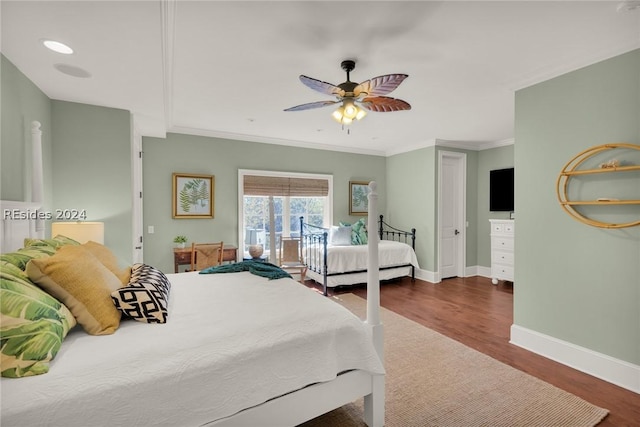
x=232, y=341
x=342, y=259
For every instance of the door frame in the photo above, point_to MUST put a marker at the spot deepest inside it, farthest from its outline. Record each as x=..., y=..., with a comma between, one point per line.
x=137, y=253
x=461, y=162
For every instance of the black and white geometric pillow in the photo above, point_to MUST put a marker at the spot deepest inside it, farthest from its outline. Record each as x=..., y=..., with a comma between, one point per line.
x=146, y=297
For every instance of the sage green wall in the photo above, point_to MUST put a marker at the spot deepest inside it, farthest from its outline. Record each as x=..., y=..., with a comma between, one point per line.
x=22, y=103
x=92, y=168
x=574, y=282
x=222, y=158
x=494, y=158
x=412, y=182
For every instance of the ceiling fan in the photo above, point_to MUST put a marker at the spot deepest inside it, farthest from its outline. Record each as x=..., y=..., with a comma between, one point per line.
x=356, y=98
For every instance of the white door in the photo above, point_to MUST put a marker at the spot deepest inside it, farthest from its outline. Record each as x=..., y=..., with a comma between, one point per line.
x=136, y=170
x=452, y=177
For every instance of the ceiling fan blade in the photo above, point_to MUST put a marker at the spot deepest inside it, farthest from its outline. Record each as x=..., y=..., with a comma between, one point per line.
x=383, y=104
x=380, y=85
x=322, y=87
x=311, y=105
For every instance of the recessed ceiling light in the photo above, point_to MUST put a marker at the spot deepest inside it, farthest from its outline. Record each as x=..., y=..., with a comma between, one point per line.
x=58, y=47
x=71, y=70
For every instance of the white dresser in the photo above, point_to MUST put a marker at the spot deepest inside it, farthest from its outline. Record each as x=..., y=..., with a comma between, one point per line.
x=502, y=239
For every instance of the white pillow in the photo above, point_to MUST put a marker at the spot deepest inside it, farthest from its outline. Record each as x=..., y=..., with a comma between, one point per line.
x=340, y=236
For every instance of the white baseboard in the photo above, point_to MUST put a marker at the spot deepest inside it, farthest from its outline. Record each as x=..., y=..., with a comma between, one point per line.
x=427, y=276
x=477, y=270
x=615, y=371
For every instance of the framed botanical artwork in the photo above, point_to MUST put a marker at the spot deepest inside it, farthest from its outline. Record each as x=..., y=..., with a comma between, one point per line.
x=358, y=201
x=193, y=195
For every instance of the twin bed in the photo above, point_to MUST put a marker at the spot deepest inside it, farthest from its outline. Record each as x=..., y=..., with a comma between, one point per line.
x=334, y=263
x=237, y=350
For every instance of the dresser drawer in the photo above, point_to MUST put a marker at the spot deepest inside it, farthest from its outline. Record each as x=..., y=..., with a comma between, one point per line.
x=509, y=228
x=503, y=272
x=499, y=257
x=505, y=243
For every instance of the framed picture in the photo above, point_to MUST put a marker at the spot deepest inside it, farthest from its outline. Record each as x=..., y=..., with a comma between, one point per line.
x=193, y=195
x=358, y=201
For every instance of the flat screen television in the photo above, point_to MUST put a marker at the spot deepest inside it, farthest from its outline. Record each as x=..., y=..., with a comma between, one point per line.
x=501, y=190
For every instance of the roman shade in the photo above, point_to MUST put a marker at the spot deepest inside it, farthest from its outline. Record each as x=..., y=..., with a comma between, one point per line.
x=255, y=185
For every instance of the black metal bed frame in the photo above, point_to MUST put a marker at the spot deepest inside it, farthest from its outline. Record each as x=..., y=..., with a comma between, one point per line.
x=315, y=240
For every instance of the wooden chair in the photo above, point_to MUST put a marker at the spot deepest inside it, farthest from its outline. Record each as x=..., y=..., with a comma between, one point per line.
x=291, y=257
x=205, y=255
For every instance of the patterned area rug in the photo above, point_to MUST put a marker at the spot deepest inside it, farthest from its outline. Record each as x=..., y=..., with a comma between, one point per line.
x=433, y=380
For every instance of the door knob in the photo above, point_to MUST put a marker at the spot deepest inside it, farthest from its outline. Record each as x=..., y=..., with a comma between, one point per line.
x=456, y=232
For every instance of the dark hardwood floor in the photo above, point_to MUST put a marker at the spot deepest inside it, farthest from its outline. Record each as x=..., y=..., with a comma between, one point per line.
x=478, y=314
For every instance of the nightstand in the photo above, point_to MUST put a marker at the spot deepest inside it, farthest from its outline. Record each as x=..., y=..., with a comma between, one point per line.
x=182, y=256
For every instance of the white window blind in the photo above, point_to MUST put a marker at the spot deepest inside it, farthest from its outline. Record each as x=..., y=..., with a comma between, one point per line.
x=285, y=186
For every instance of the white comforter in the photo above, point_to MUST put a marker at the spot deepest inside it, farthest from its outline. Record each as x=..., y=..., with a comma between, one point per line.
x=232, y=341
x=341, y=259
x=352, y=258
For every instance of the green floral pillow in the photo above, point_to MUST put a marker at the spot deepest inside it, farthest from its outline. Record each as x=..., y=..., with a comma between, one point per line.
x=358, y=231
x=56, y=242
x=21, y=257
x=32, y=324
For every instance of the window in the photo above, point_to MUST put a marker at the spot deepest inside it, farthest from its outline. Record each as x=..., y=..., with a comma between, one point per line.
x=283, y=198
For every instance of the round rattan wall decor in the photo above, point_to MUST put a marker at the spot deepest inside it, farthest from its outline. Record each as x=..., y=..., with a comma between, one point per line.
x=572, y=169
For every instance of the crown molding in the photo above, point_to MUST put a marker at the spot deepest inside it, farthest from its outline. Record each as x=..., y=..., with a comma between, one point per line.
x=275, y=141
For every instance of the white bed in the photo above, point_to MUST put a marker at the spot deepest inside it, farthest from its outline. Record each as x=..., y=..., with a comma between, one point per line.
x=237, y=350
x=345, y=264
x=396, y=259
x=232, y=341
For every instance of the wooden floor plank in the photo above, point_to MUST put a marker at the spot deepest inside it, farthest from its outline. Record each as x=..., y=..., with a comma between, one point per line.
x=478, y=314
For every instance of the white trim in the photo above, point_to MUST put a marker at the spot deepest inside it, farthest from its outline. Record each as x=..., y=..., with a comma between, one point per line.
x=268, y=140
x=137, y=248
x=413, y=147
x=328, y=213
x=615, y=371
x=464, y=145
x=427, y=276
x=478, y=270
x=570, y=64
x=167, y=27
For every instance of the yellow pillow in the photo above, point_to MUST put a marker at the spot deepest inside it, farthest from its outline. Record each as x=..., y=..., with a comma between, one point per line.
x=109, y=260
x=81, y=282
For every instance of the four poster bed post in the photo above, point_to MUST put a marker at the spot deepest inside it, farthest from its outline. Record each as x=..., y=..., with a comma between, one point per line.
x=373, y=415
x=288, y=408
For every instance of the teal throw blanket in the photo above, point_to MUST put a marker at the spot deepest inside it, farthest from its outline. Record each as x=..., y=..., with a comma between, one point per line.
x=258, y=268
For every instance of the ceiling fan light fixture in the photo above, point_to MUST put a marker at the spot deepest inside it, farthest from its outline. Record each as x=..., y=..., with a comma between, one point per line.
x=338, y=114
x=351, y=96
x=350, y=109
x=348, y=112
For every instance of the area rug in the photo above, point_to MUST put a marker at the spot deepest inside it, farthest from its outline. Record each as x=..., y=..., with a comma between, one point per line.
x=433, y=380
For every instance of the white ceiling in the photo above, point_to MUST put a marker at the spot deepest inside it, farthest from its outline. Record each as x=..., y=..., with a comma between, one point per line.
x=229, y=69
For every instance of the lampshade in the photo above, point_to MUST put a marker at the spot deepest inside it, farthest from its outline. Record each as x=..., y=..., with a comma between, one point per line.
x=348, y=112
x=79, y=231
